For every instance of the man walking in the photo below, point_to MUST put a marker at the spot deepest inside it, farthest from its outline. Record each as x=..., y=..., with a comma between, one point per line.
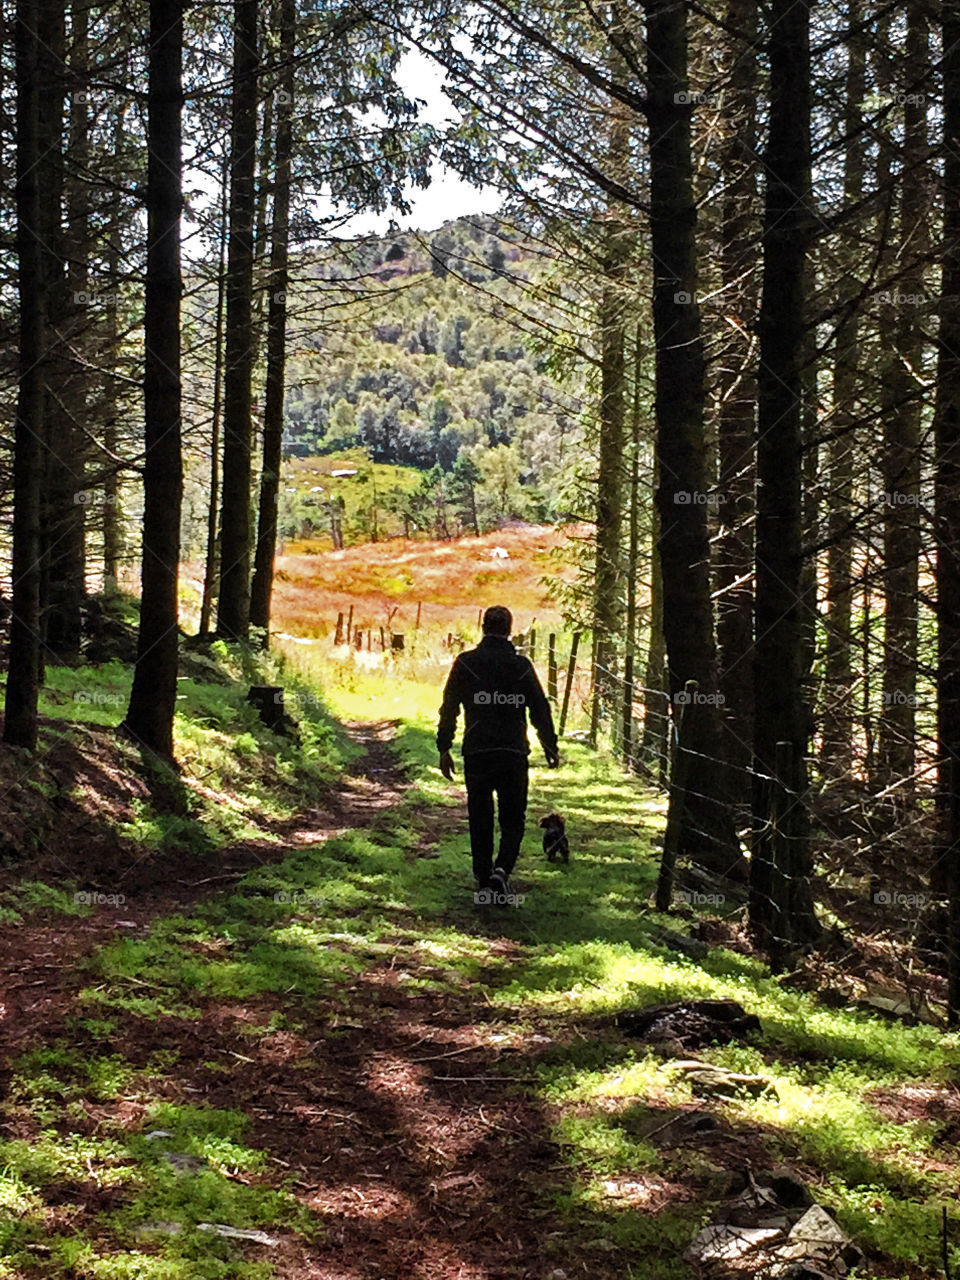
x=496, y=686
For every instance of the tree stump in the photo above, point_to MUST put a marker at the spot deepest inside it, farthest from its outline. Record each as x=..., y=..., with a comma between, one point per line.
x=268, y=700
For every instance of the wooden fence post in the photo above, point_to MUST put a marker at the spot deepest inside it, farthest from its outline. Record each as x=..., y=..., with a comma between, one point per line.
x=338, y=634
x=626, y=709
x=678, y=794
x=552, y=667
x=532, y=644
x=594, y=691
x=571, y=668
x=349, y=624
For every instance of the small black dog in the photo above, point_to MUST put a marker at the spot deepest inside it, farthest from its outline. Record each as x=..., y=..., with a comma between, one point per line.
x=555, y=843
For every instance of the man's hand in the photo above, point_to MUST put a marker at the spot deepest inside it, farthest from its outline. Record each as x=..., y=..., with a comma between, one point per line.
x=446, y=766
x=553, y=759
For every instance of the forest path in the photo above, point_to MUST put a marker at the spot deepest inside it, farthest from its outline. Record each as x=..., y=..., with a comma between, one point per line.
x=389, y=1104
x=328, y=1050
x=41, y=961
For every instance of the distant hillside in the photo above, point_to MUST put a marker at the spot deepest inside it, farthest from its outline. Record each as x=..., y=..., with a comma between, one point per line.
x=408, y=348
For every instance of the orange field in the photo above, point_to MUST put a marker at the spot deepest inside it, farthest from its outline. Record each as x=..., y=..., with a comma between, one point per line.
x=451, y=582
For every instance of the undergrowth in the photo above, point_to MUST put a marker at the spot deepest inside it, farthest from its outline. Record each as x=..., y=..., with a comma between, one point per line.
x=300, y=935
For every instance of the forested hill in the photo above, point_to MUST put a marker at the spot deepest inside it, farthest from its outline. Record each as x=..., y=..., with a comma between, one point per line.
x=413, y=347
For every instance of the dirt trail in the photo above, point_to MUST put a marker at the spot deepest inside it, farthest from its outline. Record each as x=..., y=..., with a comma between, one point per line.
x=40, y=961
x=419, y=1162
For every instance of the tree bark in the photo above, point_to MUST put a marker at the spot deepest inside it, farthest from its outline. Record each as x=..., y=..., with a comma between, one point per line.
x=233, y=616
x=781, y=902
x=262, y=587
x=64, y=496
x=20, y=714
x=737, y=394
x=607, y=615
x=656, y=707
x=111, y=526
x=707, y=830
x=628, y=747
x=150, y=714
x=947, y=498
x=213, y=500
x=838, y=711
x=901, y=446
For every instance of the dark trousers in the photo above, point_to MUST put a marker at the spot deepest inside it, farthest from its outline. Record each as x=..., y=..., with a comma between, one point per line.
x=503, y=773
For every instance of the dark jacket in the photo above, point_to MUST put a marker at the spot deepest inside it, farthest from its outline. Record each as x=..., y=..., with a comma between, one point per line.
x=496, y=686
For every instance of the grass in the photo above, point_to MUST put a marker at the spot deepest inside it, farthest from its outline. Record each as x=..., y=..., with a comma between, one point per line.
x=387, y=582
x=303, y=931
x=239, y=780
x=308, y=483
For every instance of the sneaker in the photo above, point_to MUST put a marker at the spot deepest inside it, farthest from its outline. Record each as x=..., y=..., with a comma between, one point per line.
x=482, y=893
x=499, y=887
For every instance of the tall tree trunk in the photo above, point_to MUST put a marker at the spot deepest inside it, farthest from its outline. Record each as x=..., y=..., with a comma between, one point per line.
x=901, y=446
x=213, y=499
x=262, y=587
x=737, y=394
x=947, y=497
x=266, y=160
x=112, y=528
x=153, y=696
x=811, y=488
x=609, y=503
x=64, y=497
x=656, y=706
x=608, y=579
x=628, y=749
x=781, y=900
x=707, y=829
x=69, y=561
x=20, y=714
x=233, y=616
x=838, y=711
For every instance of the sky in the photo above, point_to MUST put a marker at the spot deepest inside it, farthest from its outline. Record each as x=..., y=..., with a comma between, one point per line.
x=448, y=196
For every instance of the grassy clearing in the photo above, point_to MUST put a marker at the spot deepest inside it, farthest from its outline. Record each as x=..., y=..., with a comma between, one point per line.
x=302, y=932
x=386, y=582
